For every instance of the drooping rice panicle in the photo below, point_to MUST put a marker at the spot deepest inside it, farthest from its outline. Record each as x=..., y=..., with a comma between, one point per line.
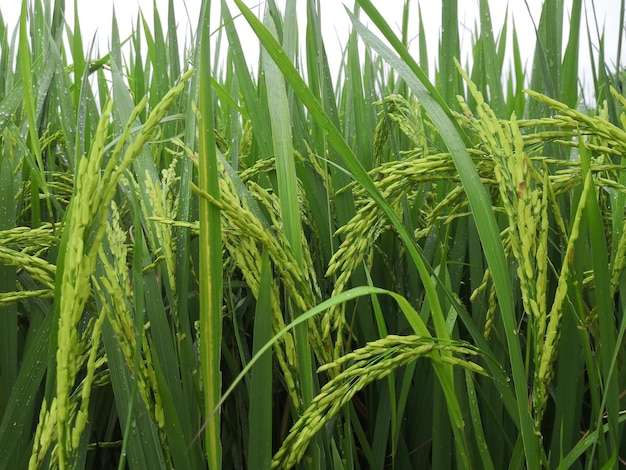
x=372, y=362
x=92, y=194
x=75, y=288
x=547, y=355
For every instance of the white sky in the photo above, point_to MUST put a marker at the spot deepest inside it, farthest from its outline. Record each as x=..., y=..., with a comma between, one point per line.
x=96, y=16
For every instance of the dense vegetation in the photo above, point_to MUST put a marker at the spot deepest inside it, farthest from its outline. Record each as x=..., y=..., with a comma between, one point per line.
x=207, y=266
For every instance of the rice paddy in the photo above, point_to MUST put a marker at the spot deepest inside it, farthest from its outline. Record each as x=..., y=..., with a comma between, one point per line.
x=207, y=263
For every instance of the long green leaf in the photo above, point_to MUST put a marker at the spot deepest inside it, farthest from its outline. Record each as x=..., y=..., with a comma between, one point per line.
x=599, y=258
x=210, y=248
x=260, y=437
x=8, y=278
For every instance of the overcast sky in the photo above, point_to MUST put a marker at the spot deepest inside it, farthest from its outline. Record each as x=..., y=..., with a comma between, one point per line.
x=96, y=19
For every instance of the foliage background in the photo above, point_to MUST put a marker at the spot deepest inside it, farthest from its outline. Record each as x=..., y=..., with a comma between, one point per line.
x=204, y=265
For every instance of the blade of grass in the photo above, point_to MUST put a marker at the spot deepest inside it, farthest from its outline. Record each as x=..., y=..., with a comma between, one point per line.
x=172, y=42
x=9, y=104
x=587, y=441
x=8, y=313
x=187, y=300
x=423, y=46
x=569, y=68
x=607, y=348
x=382, y=420
x=546, y=74
x=139, y=306
x=78, y=56
x=260, y=415
x=477, y=423
x=138, y=81
x=16, y=427
x=259, y=115
x=25, y=60
x=569, y=388
x=519, y=101
x=382, y=424
x=449, y=82
x=210, y=248
x=491, y=64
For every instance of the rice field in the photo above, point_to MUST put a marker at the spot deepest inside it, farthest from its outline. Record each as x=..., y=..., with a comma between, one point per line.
x=207, y=263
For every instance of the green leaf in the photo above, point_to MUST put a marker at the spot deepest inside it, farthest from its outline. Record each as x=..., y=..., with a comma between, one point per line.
x=8, y=283
x=260, y=415
x=210, y=248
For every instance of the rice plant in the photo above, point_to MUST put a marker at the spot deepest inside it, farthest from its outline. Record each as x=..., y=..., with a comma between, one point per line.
x=207, y=263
